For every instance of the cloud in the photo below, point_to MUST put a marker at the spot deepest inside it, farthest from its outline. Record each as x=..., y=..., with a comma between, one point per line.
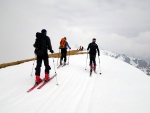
x=110, y=21
x=133, y=46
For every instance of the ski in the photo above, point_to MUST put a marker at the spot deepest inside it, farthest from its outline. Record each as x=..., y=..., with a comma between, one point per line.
x=33, y=87
x=62, y=65
x=59, y=66
x=45, y=82
x=65, y=64
x=90, y=72
x=95, y=72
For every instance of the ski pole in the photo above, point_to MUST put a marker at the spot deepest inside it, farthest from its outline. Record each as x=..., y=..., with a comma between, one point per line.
x=32, y=68
x=99, y=65
x=68, y=56
x=86, y=60
x=55, y=69
x=33, y=65
x=58, y=57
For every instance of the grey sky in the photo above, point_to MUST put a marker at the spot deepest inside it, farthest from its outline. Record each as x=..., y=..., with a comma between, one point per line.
x=118, y=25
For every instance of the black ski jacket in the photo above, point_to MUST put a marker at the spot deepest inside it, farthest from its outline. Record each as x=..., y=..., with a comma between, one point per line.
x=48, y=42
x=93, y=47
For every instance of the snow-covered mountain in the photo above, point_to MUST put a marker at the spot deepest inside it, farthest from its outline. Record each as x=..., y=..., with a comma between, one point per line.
x=139, y=63
x=121, y=88
x=147, y=59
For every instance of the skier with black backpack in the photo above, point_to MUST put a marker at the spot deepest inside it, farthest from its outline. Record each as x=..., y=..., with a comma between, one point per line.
x=42, y=45
x=92, y=53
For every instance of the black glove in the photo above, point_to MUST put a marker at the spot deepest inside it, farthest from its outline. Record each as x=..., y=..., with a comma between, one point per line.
x=98, y=54
x=51, y=51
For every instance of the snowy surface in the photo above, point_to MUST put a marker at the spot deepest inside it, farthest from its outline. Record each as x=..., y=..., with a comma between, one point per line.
x=121, y=88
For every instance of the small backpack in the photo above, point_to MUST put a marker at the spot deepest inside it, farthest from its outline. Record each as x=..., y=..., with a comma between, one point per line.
x=40, y=44
x=63, y=43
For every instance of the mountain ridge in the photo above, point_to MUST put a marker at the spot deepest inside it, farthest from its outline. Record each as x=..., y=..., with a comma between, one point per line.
x=138, y=63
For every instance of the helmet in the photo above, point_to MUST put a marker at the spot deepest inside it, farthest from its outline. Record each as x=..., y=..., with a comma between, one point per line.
x=94, y=38
x=43, y=31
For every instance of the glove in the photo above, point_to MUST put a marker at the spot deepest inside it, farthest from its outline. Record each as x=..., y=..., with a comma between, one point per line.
x=70, y=48
x=51, y=51
x=98, y=54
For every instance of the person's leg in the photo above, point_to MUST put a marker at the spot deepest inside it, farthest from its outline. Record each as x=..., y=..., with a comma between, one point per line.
x=47, y=67
x=38, y=69
x=91, y=57
x=61, y=58
x=65, y=56
x=94, y=61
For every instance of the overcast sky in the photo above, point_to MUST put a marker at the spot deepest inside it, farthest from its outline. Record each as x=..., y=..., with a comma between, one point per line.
x=121, y=26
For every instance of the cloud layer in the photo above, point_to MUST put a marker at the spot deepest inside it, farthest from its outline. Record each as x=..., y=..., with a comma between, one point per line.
x=118, y=25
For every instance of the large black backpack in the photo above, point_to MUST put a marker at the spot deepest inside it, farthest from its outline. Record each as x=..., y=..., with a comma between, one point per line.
x=40, y=44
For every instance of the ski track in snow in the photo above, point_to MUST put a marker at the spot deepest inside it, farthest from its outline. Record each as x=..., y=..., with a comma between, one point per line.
x=120, y=89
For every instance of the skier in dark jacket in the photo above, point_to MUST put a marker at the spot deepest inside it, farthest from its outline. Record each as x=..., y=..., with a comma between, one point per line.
x=63, y=46
x=92, y=53
x=44, y=41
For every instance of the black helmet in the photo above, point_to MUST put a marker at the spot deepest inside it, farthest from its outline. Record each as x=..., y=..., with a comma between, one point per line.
x=94, y=38
x=43, y=31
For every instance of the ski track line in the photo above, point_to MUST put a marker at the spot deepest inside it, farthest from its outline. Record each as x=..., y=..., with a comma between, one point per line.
x=85, y=96
x=80, y=92
x=91, y=95
x=66, y=96
x=75, y=83
x=72, y=94
x=80, y=85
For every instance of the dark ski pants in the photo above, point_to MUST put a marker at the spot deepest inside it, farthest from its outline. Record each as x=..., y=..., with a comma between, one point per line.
x=39, y=64
x=92, y=60
x=64, y=54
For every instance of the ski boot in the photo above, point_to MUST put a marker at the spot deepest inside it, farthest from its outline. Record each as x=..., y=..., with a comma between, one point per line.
x=46, y=77
x=38, y=79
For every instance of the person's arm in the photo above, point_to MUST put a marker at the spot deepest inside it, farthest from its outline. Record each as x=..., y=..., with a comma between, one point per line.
x=68, y=45
x=88, y=46
x=49, y=45
x=98, y=50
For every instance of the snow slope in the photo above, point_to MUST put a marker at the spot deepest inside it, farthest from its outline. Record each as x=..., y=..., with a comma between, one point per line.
x=121, y=88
